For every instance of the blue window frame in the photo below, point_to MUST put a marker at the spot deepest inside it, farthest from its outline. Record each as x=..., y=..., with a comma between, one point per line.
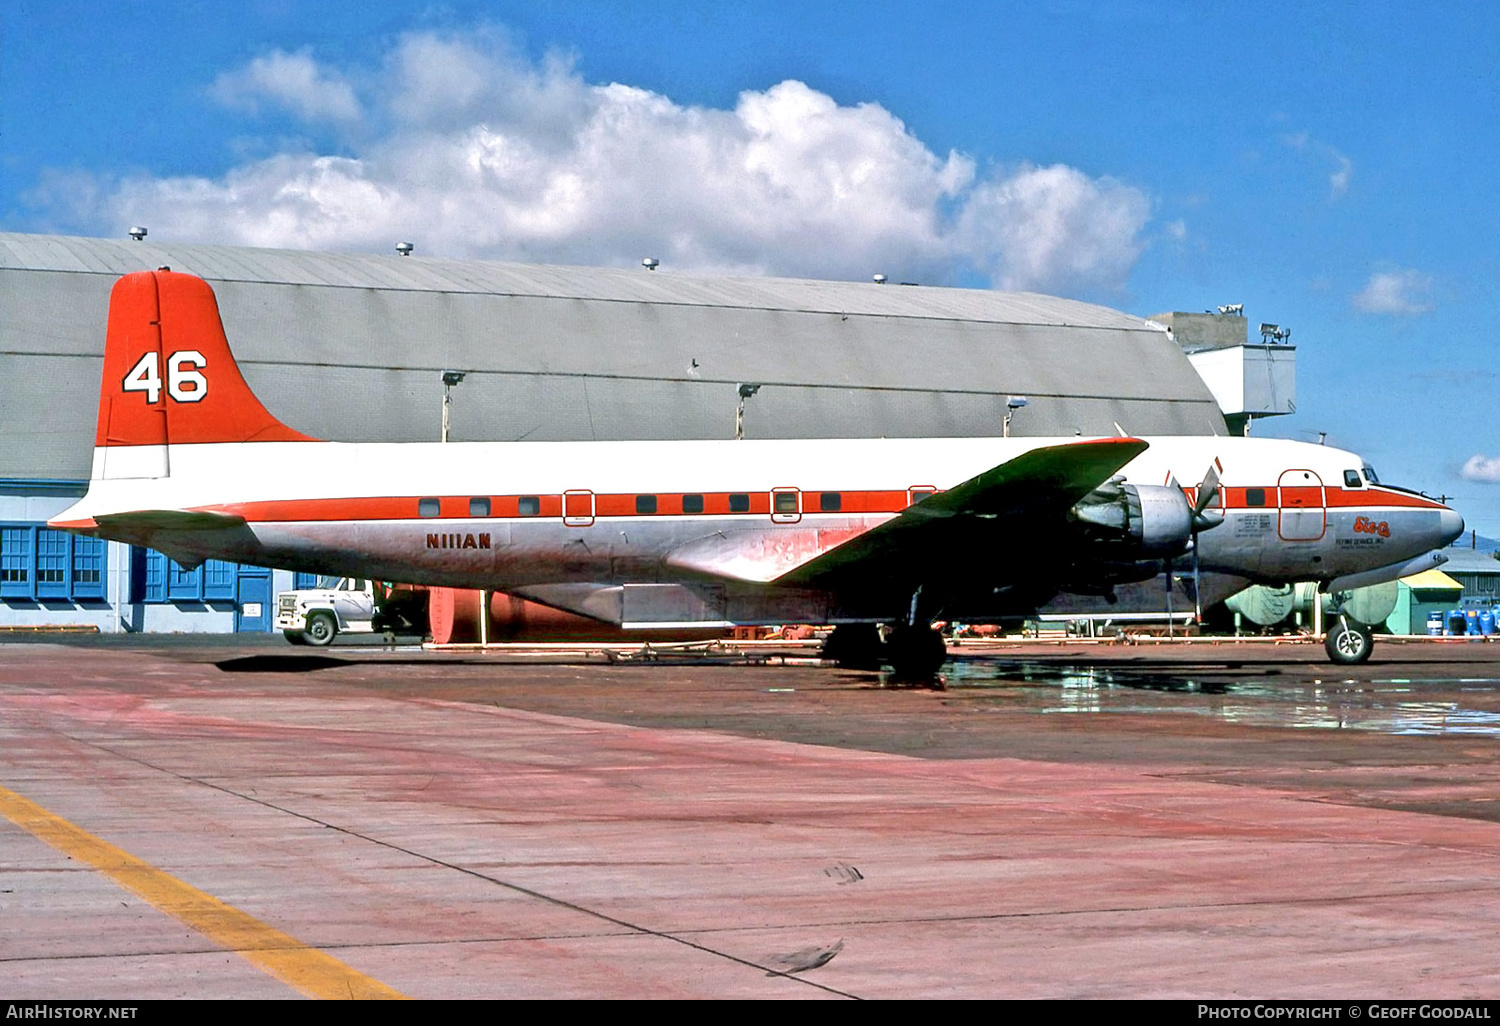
x=184, y=585
x=39, y=563
x=218, y=580
x=16, y=563
x=89, y=563
x=51, y=564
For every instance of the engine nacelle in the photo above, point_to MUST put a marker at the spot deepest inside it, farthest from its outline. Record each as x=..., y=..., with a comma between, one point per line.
x=1139, y=521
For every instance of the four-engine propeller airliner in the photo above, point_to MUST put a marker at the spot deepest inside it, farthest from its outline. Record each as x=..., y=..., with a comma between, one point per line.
x=850, y=532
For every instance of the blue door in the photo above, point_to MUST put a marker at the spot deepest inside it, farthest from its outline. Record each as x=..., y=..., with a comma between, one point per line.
x=252, y=606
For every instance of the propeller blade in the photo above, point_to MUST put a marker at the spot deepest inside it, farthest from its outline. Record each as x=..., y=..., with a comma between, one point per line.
x=1208, y=490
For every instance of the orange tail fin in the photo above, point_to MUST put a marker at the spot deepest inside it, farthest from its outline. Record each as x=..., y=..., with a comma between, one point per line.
x=169, y=377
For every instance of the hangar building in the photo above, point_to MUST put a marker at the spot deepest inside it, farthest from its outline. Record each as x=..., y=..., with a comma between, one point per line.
x=353, y=348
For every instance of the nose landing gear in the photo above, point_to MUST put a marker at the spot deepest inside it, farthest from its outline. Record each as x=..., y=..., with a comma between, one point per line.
x=1348, y=641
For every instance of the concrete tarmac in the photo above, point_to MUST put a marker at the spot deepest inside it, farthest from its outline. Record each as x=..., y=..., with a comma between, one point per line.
x=220, y=818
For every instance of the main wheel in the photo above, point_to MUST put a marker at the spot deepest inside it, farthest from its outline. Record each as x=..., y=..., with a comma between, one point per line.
x=916, y=653
x=1349, y=642
x=854, y=646
x=321, y=629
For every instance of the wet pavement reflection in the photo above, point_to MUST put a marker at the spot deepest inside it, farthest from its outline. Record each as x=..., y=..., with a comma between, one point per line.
x=1251, y=696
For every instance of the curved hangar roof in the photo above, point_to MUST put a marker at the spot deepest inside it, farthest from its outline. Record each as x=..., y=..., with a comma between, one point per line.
x=351, y=347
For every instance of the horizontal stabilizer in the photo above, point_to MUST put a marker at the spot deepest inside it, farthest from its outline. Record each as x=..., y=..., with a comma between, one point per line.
x=155, y=520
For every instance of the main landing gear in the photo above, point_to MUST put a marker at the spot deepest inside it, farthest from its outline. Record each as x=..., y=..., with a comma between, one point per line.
x=855, y=646
x=915, y=652
x=1349, y=641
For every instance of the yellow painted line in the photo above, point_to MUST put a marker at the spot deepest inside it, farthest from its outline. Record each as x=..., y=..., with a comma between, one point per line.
x=315, y=973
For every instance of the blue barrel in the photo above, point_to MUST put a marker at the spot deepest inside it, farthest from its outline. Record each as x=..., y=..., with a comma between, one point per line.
x=1435, y=622
x=1471, y=622
x=1486, y=622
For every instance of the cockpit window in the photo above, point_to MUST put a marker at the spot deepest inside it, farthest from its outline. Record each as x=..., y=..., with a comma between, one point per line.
x=1352, y=479
x=1370, y=474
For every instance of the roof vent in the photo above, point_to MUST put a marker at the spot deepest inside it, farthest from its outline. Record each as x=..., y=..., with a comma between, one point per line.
x=404, y=248
x=137, y=232
x=879, y=279
x=650, y=263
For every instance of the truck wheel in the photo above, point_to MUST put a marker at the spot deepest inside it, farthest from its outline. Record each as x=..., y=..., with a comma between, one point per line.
x=321, y=629
x=295, y=637
x=1349, y=642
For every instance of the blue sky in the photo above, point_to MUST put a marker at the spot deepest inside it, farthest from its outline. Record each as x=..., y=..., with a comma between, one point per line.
x=1329, y=166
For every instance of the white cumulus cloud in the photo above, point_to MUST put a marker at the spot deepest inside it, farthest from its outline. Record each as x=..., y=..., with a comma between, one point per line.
x=470, y=150
x=1482, y=468
x=1395, y=292
x=290, y=80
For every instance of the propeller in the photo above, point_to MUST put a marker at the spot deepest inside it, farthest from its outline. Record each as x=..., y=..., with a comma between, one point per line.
x=1203, y=520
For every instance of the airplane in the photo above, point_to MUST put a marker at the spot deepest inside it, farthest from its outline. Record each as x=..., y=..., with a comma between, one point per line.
x=850, y=532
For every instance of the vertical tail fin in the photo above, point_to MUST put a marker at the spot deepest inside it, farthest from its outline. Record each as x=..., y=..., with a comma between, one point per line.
x=170, y=378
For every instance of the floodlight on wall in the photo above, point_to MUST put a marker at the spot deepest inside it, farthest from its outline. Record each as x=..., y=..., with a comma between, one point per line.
x=1273, y=333
x=744, y=390
x=137, y=232
x=1012, y=404
x=404, y=248
x=450, y=378
x=650, y=263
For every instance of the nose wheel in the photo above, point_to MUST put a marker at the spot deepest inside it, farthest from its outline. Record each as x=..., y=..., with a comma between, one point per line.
x=1349, y=642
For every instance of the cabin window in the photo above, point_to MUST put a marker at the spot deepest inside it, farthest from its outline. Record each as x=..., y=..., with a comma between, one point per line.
x=1370, y=474
x=645, y=504
x=739, y=503
x=479, y=507
x=785, y=502
x=1255, y=496
x=692, y=504
x=831, y=502
x=529, y=505
x=1352, y=479
x=428, y=507
x=916, y=495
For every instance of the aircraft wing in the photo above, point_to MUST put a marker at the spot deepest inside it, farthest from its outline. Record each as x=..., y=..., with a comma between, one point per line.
x=1030, y=495
x=1018, y=504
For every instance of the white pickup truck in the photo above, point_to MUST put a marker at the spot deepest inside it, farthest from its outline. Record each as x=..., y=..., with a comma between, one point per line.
x=315, y=616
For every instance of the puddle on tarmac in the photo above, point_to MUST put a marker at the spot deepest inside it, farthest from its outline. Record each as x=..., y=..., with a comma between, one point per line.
x=1251, y=696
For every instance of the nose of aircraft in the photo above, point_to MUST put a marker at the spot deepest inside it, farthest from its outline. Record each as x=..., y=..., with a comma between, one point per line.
x=1450, y=524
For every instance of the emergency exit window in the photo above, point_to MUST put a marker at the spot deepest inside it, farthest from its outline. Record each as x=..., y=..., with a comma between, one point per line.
x=786, y=502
